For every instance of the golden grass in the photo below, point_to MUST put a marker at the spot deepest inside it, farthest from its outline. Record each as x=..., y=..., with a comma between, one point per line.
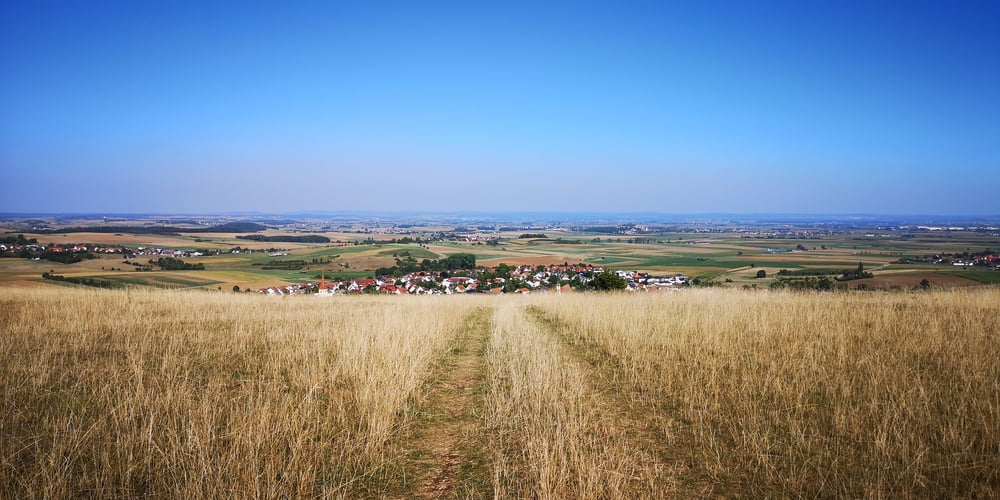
x=127, y=393
x=544, y=423
x=192, y=395
x=780, y=394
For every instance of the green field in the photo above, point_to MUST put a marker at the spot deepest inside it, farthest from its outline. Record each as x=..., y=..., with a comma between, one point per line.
x=415, y=252
x=986, y=277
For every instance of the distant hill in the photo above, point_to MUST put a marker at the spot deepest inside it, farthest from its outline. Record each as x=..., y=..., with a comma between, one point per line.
x=234, y=227
x=229, y=227
x=312, y=238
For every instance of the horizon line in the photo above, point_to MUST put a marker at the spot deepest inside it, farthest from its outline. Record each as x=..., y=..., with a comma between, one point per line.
x=254, y=213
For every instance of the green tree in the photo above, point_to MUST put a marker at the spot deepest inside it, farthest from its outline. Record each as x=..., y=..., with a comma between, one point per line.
x=762, y=274
x=856, y=275
x=608, y=281
x=503, y=270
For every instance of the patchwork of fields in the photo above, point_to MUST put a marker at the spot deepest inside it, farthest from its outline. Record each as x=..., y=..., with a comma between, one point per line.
x=714, y=392
x=726, y=258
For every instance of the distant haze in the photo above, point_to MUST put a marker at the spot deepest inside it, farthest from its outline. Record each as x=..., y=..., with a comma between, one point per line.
x=730, y=107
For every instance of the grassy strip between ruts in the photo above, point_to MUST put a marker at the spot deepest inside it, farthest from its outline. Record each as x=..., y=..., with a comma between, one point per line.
x=445, y=451
x=551, y=435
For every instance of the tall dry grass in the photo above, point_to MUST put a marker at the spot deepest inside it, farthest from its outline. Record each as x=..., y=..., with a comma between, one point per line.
x=172, y=394
x=783, y=394
x=543, y=421
x=193, y=395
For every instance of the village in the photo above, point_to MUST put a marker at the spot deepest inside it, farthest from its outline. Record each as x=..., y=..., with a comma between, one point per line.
x=521, y=280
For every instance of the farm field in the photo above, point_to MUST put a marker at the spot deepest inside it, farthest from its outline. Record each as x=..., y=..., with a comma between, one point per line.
x=726, y=259
x=707, y=393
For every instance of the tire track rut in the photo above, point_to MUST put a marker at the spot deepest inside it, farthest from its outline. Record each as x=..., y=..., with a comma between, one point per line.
x=445, y=451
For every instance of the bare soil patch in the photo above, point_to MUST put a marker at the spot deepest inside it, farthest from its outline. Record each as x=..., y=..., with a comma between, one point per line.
x=910, y=280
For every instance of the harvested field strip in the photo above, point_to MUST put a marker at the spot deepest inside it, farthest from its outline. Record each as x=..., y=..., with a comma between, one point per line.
x=545, y=426
x=445, y=452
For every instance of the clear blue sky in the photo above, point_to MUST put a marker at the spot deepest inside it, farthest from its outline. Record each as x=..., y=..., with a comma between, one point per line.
x=797, y=106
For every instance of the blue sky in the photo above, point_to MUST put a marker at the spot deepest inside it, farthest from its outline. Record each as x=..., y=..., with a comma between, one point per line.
x=740, y=107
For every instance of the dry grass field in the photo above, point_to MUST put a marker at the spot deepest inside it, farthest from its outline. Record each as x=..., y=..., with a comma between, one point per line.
x=193, y=395
x=848, y=395
x=706, y=393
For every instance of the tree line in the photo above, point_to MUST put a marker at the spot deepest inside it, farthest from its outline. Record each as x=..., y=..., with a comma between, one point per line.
x=310, y=238
x=18, y=240
x=229, y=227
x=172, y=264
x=409, y=265
x=50, y=255
x=86, y=281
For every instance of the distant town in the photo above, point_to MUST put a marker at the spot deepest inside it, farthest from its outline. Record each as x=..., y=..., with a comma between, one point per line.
x=497, y=281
